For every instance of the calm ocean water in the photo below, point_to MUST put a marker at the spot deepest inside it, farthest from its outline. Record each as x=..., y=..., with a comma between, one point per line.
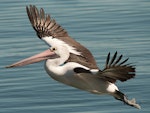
x=102, y=26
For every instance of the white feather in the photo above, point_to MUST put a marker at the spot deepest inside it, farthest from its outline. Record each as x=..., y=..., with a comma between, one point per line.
x=112, y=88
x=54, y=41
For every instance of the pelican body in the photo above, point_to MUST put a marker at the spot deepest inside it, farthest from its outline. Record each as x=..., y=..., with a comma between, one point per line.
x=69, y=62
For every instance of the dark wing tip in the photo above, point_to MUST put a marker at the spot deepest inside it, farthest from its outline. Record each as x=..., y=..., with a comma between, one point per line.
x=115, y=60
x=117, y=69
x=43, y=24
x=107, y=60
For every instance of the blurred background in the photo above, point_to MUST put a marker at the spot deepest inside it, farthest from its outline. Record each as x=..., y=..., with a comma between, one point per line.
x=100, y=25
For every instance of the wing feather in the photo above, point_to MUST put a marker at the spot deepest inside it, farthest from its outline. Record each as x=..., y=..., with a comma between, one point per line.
x=113, y=59
x=117, y=69
x=44, y=26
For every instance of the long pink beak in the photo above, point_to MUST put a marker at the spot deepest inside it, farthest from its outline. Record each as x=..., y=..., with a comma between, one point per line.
x=33, y=59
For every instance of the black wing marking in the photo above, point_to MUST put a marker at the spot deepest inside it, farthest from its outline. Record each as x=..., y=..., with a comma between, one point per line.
x=117, y=69
x=81, y=70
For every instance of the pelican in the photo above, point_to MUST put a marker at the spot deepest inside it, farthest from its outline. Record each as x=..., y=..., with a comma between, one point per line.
x=69, y=62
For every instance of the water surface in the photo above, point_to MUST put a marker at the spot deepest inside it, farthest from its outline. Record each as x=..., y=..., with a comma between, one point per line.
x=101, y=26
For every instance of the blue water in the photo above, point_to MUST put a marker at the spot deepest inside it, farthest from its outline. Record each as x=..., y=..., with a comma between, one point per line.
x=102, y=26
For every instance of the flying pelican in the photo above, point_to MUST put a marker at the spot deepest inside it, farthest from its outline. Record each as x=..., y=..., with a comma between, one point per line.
x=69, y=62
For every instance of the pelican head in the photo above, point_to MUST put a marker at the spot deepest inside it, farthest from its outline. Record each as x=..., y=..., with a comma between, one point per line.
x=47, y=54
x=57, y=54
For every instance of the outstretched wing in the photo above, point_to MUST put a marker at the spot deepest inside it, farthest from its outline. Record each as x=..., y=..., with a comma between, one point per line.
x=116, y=69
x=45, y=26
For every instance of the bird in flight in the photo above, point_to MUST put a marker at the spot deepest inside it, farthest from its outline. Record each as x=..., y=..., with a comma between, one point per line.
x=69, y=62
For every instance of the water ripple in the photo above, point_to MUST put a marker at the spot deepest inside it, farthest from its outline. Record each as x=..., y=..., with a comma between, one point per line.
x=102, y=26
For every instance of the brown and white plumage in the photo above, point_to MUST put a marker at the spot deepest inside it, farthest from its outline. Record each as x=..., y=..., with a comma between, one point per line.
x=45, y=26
x=117, y=69
x=69, y=62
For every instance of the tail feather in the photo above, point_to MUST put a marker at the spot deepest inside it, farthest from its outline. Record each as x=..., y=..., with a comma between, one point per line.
x=120, y=96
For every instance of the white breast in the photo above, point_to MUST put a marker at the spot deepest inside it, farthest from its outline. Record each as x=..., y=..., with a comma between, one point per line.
x=66, y=75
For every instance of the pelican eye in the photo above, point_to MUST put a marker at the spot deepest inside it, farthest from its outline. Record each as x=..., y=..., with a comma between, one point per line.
x=53, y=49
